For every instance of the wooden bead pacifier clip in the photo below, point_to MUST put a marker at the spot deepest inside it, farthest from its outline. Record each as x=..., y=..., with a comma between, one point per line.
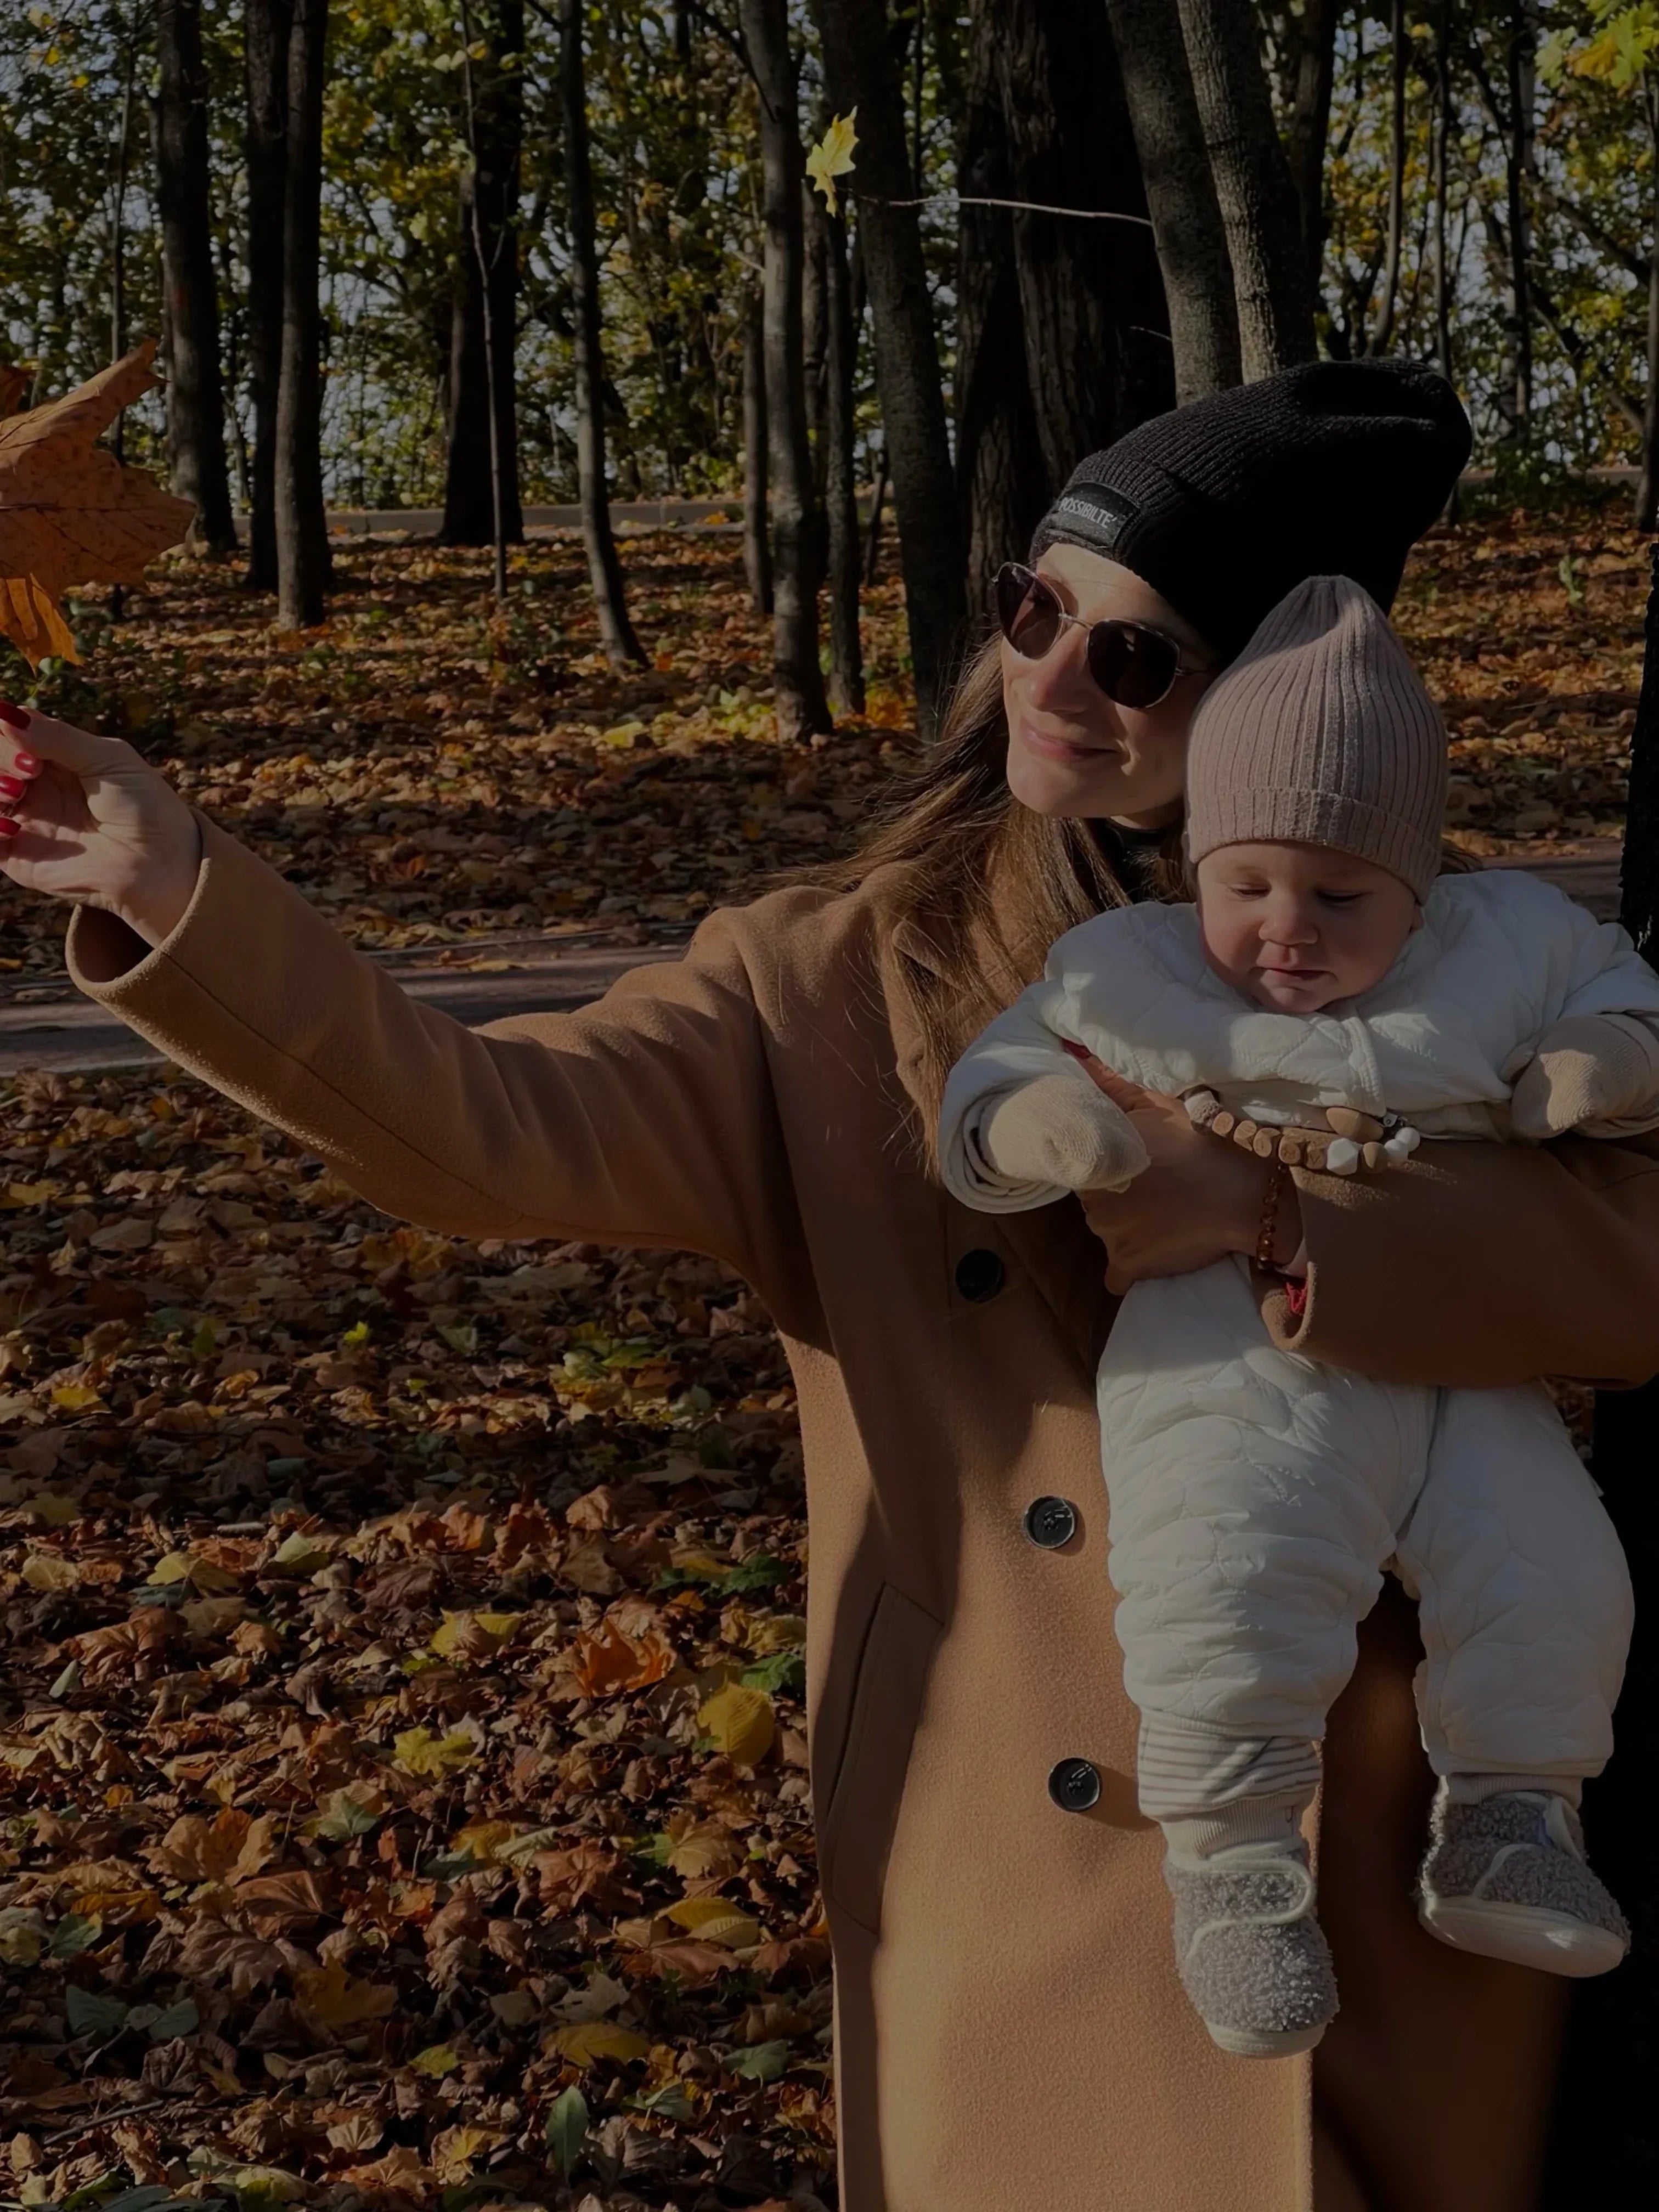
x=1349, y=1141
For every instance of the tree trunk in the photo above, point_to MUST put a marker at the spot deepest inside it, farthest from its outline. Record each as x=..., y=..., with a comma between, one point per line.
x=195, y=394
x=483, y=320
x=1181, y=196
x=757, y=517
x=845, y=550
x=1091, y=298
x=617, y=634
x=1002, y=479
x=861, y=74
x=1253, y=184
x=302, y=557
x=1443, y=124
x=1309, y=125
x=1647, y=495
x=265, y=26
x=1382, y=331
x=1522, y=47
x=797, y=680
x=1604, y=2148
x=814, y=327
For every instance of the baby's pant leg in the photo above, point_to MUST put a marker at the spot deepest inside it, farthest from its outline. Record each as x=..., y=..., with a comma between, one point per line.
x=1523, y=1595
x=1254, y=1498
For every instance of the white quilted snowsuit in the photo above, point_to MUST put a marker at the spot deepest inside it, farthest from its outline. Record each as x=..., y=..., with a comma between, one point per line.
x=1257, y=1497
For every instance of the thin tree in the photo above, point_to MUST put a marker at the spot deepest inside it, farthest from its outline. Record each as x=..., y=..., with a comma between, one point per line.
x=195, y=393
x=798, y=682
x=1647, y=494
x=757, y=522
x=616, y=636
x=1181, y=196
x=1253, y=184
x=845, y=547
x=1382, y=331
x=862, y=74
x=1311, y=78
x=302, y=556
x=1002, y=479
x=1522, y=55
x=481, y=489
x=266, y=28
x=117, y=255
x=1445, y=115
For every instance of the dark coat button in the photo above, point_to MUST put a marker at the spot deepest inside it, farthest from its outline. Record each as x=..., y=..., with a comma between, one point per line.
x=979, y=1276
x=1051, y=1521
x=1074, y=1786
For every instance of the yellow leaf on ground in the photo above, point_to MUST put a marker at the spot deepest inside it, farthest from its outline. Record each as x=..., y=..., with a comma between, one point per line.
x=473, y=1635
x=19, y=1194
x=716, y=1920
x=594, y=2040
x=437, y=2060
x=698, y=1850
x=75, y=1398
x=417, y=1751
x=330, y=1996
x=69, y=512
x=48, y=1571
x=741, y=1723
x=57, y=1511
x=832, y=157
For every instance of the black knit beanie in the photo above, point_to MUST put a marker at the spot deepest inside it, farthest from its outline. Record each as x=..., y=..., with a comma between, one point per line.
x=1333, y=469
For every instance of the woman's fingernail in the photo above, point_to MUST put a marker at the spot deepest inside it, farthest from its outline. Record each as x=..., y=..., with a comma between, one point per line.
x=9, y=828
x=17, y=716
x=26, y=764
x=12, y=786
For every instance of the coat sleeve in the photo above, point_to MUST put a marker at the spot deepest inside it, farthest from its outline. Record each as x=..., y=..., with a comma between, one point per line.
x=1024, y=1043
x=1483, y=1265
x=648, y=1118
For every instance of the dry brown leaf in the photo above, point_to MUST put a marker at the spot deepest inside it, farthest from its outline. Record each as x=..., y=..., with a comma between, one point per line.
x=71, y=512
x=332, y=1998
x=607, y=1659
x=229, y=1848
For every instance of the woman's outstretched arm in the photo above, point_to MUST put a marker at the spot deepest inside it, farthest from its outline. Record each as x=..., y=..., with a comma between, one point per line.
x=646, y=1119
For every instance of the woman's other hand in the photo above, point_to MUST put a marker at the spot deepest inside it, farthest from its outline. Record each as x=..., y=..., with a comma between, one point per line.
x=83, y=818
x=1198, y=1200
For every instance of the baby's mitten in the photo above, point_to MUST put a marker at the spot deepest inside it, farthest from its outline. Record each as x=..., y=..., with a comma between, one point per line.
x=1060, y=1129
x=1591, y=1069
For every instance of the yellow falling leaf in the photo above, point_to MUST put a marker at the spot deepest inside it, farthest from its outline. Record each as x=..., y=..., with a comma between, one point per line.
x=832, y=157
x=716, y=1920
x=437, y=2060
x=332, y=1998
x=593, y=2039
x=417, y=1751
x=173, y=1568
x=16, y=1195
x=461, y=1633
x=75, y=1398
x=454, y=2150
x=741, y=1723
x=47, y=1571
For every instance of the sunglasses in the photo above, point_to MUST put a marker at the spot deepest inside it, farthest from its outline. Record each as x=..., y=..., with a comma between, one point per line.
x=1131, y=663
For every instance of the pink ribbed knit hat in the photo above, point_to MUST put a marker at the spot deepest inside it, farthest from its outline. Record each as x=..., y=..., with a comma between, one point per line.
x=1321, y=732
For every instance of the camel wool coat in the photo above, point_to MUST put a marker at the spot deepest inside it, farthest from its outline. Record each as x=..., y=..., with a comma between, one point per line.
x=1012, y=2037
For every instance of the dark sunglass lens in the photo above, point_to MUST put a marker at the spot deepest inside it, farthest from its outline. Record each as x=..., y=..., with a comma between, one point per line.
x=1132, y=666
x=1027, y=611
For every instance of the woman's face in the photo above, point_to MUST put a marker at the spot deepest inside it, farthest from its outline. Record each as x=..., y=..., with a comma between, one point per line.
x=1073, y=751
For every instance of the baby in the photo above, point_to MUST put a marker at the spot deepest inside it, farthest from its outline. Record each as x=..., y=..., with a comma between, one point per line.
x=1330, y=996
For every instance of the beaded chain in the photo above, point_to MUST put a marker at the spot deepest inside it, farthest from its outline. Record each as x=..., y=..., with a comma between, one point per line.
x=1350, y=1140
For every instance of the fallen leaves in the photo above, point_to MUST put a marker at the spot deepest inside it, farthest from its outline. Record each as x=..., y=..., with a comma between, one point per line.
x=71, y=512
x=232, y=1847
x=739, y=1721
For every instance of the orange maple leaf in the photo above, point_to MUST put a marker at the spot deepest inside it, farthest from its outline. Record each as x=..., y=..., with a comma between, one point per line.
x=71, y=512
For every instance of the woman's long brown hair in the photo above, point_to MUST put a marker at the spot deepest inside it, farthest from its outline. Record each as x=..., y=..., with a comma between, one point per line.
x=988, y=884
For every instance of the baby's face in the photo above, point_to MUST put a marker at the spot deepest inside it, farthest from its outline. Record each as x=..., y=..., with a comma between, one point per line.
x=1295, y=928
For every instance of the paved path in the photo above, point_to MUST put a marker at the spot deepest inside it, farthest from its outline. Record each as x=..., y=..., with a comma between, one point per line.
x=45, y=1024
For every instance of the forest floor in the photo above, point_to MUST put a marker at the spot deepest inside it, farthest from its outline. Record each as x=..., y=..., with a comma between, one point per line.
x=402, y=1729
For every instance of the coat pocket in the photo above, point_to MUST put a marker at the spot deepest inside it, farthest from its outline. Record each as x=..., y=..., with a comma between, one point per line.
x=861, y=1816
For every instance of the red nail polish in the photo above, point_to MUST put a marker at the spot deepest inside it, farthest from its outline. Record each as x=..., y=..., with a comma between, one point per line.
x=12, y=786
x=9, y=828
x=17, y=716
x=26, y=764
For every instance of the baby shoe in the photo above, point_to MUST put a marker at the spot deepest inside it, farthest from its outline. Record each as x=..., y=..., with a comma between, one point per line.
x=1250, y=1953
x=1507, y=1877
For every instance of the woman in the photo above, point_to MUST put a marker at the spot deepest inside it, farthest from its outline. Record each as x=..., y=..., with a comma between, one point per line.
x=1010, y=2031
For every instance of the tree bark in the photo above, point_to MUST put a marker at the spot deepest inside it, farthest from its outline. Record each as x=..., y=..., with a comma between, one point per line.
x=1522, y=55
x=302, y=557
x=1253, y=184
x=1181, y=196
x=1002, y=477
x=845, y=549
x=483, y=319
x=1443, y=116
x=757, y=515
x=195, y=392
x=1097, y=346
x=265, y=26
x=799, y=699
x=861, y=74
x=1382, y=332
x=616, y=634
x=1311, y=81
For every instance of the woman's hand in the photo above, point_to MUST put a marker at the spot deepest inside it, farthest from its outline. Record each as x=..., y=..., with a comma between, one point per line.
x=83, y=818
x=1200, y=1200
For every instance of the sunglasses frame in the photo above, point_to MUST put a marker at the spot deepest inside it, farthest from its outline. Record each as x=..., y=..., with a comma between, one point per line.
x=1033, y=581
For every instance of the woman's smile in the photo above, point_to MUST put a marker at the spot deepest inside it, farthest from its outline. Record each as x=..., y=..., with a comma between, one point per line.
x=1052, y=745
